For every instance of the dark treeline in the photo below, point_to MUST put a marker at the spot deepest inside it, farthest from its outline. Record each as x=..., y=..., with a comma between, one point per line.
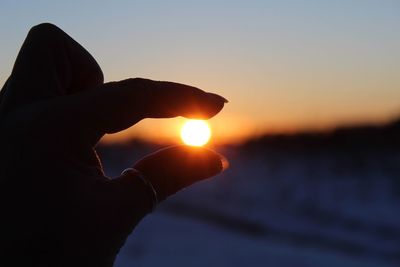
x=351, y=138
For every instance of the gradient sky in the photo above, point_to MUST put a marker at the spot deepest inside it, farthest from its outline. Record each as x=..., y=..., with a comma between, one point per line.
x=283, y=65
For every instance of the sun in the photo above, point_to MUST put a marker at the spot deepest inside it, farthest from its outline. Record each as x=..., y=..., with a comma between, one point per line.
x=195, y=133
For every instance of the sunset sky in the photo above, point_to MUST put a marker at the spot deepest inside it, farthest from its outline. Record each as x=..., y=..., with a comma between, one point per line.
x=283, y=65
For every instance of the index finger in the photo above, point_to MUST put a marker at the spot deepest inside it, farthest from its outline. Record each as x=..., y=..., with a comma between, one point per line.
x=116, y=106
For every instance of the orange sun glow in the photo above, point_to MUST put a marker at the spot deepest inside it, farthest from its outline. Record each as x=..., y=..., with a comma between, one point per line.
x=195, y=133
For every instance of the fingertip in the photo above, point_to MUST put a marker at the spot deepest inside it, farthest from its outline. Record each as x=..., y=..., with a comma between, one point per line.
x=218, y=98
x=220, y=160
x=216, y=103
x=224, y=162
x=206, y=106
x=204, y=160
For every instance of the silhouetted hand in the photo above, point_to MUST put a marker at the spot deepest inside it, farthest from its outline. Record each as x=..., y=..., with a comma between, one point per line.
x=57, y=206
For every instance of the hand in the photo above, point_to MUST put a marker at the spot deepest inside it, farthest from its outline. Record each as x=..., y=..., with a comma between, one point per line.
x=58, y=207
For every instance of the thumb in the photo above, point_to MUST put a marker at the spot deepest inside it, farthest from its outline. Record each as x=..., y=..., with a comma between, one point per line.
x=174, y=168
x=132, y=195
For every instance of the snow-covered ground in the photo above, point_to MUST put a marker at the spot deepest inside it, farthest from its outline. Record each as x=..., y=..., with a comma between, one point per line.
x=275, y=208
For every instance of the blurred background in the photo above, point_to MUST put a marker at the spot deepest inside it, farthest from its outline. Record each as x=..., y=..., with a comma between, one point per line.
x=311, y=131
